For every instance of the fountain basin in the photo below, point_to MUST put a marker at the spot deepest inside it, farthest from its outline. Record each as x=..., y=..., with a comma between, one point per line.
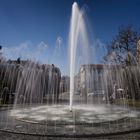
x=60, y=114
x=58, y=121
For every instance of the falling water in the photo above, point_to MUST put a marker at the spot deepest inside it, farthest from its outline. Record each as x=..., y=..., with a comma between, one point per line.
x=78, y=36
x=34, y=90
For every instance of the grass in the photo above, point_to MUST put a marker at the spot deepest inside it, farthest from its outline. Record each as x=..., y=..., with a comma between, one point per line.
x=4, y=105
x=128, y=102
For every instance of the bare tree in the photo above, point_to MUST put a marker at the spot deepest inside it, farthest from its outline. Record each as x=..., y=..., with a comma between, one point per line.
x=0, y=53
x=122, y=49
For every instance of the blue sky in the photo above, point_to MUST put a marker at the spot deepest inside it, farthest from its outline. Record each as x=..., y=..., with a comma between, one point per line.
x=39, y=28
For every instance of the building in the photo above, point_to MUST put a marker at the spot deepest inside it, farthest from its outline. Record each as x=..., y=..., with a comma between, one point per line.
x=65, y=84
x=97, y=80
x=31, y=82
x=91, y=77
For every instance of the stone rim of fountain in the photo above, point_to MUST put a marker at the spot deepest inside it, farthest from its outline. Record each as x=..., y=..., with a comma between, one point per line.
x=92, y=135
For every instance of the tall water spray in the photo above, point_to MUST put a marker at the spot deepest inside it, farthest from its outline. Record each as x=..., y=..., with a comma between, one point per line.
x=77, y=37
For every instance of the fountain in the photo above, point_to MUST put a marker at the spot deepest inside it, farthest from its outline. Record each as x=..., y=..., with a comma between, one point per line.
x=37, y=110
x=78, y=36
